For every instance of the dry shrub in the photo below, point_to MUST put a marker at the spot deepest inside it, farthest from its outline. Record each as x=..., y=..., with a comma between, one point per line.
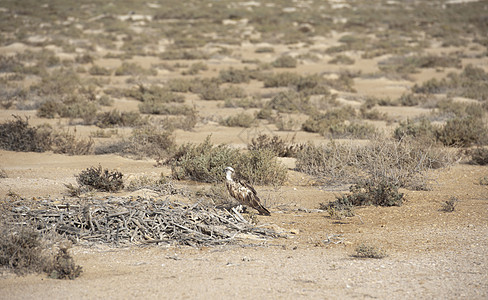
x=133, y=69
x=72, y=106
x=285, y=61
x=403, y=163
x=67, y=143
x=186, y=122
x=21, y=250
x=242, y=119
x=201, y=162
x=279, y=147
x=234, y=76
x=63, y=265
x=100, y=179
x=17, y=135
x=115, y=118
x=260, y=167
x=422, y=129
x=206, y=162
x=463, y=132
x=371, y=192
x=154, y=93
x=145, y=141
x=151, y=141
x=479, y=156
x=339, y=123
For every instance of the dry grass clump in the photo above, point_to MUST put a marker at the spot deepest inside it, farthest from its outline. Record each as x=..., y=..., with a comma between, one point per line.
x=99, y=71
x=279, y=147
x=186, y=122
x=260, y=167
x=464, y=127
x=150, y=141
x=206, y=162
x=213, y=91
x=159, y=101
x=368, y=251
x=282, y=79
x=190, y=54
x=421, y=129
x=161, y=108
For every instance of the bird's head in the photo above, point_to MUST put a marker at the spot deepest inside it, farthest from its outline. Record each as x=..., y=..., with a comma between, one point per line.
x=229, y=170
x=228, y=173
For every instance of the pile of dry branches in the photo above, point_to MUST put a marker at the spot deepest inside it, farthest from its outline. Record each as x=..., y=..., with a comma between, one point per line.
x=120, y=221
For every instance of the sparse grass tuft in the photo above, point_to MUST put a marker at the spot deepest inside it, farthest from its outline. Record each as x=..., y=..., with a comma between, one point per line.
x=450, y=205
x=368, y=251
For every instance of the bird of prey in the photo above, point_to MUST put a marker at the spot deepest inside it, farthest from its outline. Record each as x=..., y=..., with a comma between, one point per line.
x=243, y=192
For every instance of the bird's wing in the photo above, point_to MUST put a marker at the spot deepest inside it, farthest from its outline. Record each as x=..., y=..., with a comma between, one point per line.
x=247, y=185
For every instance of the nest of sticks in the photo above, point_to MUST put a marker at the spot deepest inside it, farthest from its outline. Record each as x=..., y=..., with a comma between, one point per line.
x=122, y=221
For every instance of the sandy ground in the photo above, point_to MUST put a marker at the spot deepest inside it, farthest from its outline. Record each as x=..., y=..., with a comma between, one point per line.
x=431, y=254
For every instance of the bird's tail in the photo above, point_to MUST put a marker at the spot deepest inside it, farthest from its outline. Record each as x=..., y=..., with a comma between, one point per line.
x=263, y=210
